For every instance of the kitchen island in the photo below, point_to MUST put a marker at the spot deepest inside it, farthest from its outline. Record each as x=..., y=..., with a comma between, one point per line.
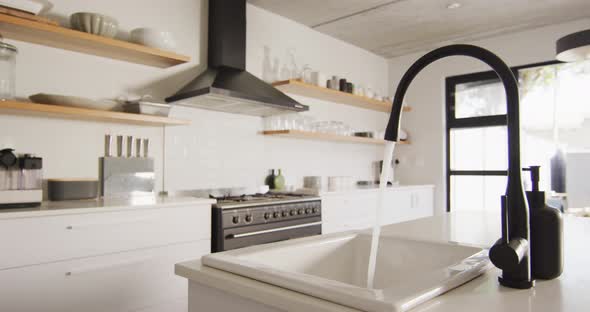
x=215, y=290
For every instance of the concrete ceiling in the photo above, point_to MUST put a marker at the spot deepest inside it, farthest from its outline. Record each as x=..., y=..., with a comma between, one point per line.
x=395, y=27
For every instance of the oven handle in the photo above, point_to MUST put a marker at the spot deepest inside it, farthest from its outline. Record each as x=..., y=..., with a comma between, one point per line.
x=230, y=236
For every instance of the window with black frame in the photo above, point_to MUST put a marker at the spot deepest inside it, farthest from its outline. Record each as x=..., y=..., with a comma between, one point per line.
x=476, y=133
x=555, y=122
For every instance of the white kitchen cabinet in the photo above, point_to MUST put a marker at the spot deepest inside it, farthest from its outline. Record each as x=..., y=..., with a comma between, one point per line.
x=127, y=281
x=422, y=204
x=408, y=204
x=342, y=212
x=397, y=205
x=121, y=259
x=354, y=210
x=27, y=241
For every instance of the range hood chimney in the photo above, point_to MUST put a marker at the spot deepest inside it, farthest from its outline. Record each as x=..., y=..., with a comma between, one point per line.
x=226, y=85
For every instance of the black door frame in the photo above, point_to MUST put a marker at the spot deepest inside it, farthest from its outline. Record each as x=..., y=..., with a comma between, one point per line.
x=473, y=122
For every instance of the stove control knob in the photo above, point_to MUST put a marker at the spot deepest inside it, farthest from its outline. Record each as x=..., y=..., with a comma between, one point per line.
x=292, y=212
x=266, y=215
x=300, y=211
x=308, y=211
x=235, y=220
x=315, y=210
x=285, y=213
x=248, y=218
x=276, y=214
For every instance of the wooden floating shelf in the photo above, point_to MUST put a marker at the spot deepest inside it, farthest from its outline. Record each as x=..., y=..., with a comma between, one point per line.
x=56, y=111
x=68, y=39
x=296, y=86
x=325, y=137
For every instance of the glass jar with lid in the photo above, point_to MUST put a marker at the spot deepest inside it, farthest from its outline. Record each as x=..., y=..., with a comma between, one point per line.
x=8, y=54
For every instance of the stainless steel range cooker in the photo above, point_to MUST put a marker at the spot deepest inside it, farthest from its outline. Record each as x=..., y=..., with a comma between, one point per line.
x=241, y=221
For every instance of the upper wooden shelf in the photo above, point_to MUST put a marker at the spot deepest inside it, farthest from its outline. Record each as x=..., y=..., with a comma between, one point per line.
x=299, y=87
x=297, y=134
x=45, y=110
x=68, y=39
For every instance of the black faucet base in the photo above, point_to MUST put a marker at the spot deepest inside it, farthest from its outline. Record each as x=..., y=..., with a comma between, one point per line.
x=516, y=284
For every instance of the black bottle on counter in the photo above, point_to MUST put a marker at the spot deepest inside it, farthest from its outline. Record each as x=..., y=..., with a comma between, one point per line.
x=270, y=179
x=546, y=233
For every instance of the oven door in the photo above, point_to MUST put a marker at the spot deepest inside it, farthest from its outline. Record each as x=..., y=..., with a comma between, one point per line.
x=271, y=232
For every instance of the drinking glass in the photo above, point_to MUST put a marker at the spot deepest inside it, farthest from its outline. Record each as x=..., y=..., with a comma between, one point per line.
x=8, y=54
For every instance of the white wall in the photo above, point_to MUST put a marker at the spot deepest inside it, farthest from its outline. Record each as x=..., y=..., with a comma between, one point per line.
x=218, y=149
x=424, y=161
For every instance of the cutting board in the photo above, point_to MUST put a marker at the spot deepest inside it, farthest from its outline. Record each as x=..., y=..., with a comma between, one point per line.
x=28, y=16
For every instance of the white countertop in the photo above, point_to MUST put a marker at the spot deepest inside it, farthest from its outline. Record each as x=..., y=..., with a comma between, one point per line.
x=50, y=208
x=484, y=294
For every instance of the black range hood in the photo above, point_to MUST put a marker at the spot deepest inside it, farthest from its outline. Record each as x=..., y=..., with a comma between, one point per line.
x=226, y=85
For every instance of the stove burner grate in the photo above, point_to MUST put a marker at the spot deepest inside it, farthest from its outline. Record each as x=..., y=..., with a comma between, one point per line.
x=258, y=196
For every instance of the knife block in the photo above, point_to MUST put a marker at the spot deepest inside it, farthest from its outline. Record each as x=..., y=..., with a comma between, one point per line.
x=124, y=177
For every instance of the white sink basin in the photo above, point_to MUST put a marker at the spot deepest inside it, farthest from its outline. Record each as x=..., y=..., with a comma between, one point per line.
x=334, y=267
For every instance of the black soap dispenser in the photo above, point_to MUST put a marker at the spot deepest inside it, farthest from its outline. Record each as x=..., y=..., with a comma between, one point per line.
x=546, y=232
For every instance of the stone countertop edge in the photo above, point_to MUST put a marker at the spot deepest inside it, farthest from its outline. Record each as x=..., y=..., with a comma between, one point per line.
x=102, y=205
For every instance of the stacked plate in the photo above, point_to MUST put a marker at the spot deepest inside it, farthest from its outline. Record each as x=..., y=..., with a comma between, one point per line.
x=34, y=7
x=75, y=101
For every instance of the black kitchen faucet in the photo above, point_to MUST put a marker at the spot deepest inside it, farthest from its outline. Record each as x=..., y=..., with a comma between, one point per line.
x=511, y=253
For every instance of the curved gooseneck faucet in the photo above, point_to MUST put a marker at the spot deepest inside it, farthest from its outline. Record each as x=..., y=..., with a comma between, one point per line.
x=511, y=253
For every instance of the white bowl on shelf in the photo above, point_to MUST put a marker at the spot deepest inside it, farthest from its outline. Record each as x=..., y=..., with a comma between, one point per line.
x=403, y=135
x=94, y=23
x=35, y=7
x=154, y=38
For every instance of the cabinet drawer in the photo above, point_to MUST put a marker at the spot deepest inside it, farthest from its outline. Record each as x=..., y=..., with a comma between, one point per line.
x=47, y=239
x=119, y=282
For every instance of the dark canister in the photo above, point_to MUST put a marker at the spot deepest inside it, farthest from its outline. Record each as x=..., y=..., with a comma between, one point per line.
x=349, y=87
x=72, y=189
x=343, y=85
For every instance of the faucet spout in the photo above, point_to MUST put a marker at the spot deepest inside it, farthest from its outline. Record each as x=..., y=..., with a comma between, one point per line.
x=513, y=246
